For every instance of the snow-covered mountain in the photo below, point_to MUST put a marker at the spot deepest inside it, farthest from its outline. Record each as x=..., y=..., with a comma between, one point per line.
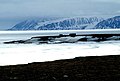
x=25, y=25
x=74, y=23
x=69, y=23
x=30, y=23
x=111, y=23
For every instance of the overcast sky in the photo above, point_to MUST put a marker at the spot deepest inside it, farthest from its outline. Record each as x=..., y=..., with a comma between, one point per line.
x=14, y=11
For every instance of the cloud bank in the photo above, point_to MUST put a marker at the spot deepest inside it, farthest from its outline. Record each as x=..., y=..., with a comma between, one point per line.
x=16, y=10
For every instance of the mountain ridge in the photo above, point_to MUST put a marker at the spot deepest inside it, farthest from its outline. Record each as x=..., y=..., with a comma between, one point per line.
x=58, y=24
x=72, y=23
x=110, y=23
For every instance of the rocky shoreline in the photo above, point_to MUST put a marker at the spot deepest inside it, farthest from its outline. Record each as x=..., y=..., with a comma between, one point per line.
x=96, y=68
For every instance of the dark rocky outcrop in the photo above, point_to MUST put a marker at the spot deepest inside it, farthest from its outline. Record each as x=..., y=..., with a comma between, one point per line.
x=71, y=38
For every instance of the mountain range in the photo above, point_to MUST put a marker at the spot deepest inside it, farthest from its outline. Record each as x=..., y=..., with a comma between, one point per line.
x=74, y=23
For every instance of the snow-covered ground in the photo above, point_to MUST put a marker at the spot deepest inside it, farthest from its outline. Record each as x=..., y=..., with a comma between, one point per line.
x=12, y=54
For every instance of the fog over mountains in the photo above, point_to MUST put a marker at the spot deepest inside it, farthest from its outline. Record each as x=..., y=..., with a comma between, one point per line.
x=74, y=23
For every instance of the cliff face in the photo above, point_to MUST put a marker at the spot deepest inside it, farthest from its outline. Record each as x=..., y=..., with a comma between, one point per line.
x=59, y=24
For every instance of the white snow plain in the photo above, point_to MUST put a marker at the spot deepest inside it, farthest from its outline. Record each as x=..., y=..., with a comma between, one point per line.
x=12, y=54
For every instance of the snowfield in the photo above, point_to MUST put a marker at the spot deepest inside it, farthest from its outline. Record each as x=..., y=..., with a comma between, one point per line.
x=23, y=54
x=12, y=54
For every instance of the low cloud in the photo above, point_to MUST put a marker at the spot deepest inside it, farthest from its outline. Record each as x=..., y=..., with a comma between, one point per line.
x=18, y=9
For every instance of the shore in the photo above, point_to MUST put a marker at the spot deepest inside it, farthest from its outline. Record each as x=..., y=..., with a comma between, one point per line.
x=94, y=68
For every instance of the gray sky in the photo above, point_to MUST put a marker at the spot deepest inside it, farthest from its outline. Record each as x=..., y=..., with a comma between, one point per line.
x=14, y=11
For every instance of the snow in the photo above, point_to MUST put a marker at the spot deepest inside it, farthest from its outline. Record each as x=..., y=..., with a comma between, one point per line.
x=27, y=53
x=12, y=54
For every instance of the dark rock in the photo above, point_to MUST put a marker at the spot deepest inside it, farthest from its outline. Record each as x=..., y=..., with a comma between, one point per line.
x=72, y=34
x=15, y=42
x=98, y=68
x=83, y=39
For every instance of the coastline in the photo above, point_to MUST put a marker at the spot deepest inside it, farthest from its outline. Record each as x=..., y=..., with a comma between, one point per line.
x=93, y=68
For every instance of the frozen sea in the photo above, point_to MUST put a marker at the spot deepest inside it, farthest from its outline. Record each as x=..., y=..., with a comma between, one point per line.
x=12, y=54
